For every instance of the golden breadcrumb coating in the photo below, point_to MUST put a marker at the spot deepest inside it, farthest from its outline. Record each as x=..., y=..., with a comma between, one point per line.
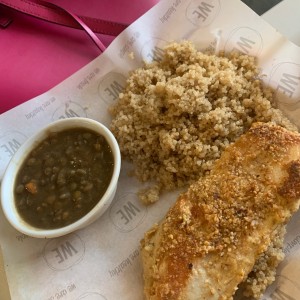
x=211, y=239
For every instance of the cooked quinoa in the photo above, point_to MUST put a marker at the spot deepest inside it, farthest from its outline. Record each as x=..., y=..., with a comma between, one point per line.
x=176, y=116
x=264, y=270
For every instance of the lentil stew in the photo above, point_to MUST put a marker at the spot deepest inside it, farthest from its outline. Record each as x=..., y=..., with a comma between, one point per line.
x=63, y=178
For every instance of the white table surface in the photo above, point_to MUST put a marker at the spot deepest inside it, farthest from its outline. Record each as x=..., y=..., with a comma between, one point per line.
x=285, y=17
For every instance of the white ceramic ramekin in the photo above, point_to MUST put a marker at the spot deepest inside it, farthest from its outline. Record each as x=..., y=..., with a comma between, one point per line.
x=8, y=182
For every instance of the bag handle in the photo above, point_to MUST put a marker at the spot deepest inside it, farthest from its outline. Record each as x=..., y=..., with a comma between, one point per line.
x=55, y=14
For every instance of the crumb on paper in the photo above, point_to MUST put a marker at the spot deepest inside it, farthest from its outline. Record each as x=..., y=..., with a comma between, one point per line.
x=149, y=195
x=131, y=55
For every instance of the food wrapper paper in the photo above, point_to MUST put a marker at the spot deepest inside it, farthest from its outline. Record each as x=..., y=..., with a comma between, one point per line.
x=102, y=261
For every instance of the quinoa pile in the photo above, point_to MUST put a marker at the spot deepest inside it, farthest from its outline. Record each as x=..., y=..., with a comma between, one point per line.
x=176, y=116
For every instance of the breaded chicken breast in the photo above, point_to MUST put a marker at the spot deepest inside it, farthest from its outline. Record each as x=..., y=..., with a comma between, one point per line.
x=209, y=241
